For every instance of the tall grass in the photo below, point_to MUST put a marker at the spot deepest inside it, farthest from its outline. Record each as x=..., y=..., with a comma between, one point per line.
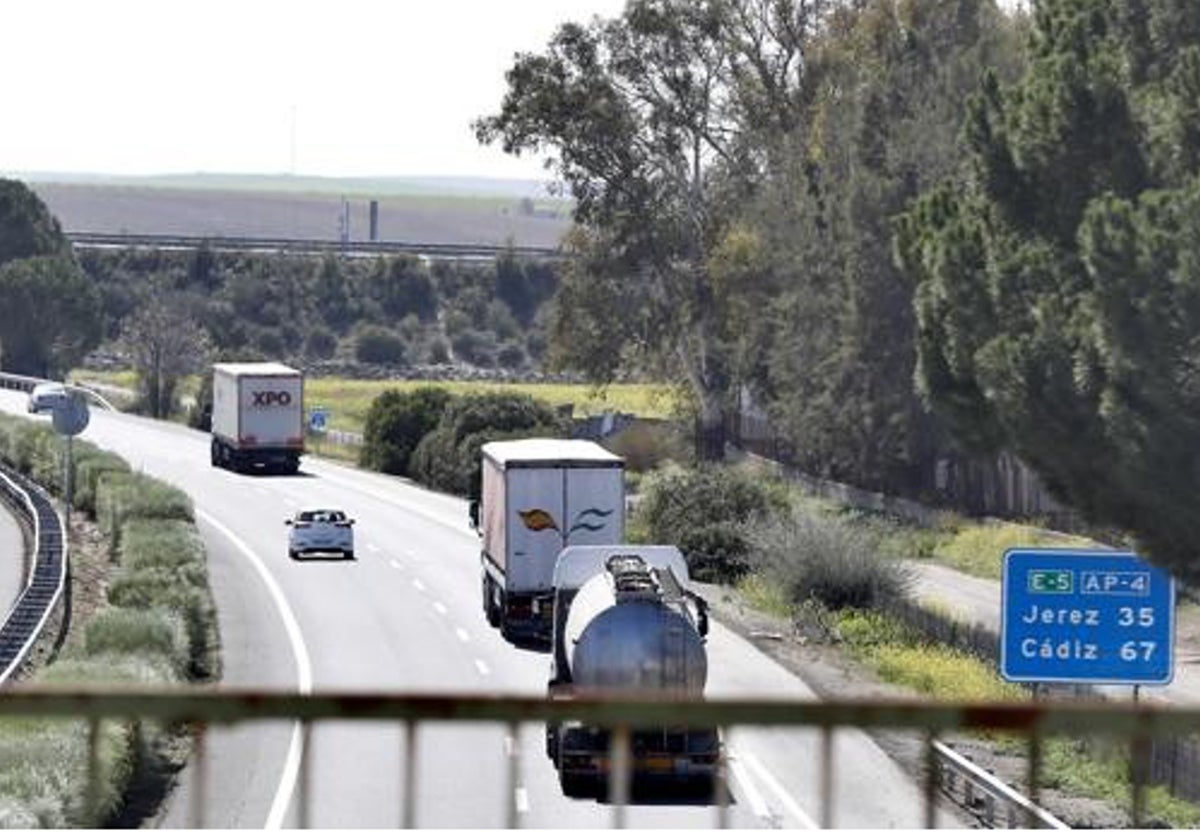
x=830, y=560
x=979, y=549
x=349, y=399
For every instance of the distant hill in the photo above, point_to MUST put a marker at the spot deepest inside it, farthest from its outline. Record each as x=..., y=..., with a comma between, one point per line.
x=420, y=209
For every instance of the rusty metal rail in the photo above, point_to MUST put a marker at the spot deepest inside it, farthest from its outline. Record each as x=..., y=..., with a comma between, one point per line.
x=212, y=707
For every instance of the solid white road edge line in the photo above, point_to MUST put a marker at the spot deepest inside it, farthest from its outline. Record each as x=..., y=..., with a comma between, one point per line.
x=776, y=788
x=757, y=804
x=304, y=681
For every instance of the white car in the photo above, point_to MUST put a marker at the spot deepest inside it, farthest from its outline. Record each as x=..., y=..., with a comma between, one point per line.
x=320, y=531
x=47, y=396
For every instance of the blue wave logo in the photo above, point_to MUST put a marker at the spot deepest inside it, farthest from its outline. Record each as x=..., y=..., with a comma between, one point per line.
x=586, y=520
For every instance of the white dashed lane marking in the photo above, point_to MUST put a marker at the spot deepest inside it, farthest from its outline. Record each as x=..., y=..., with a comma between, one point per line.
x=462, y=634
x=482, y=667
x=522, y=798
x=420, y=587
x=440, y=607
x=395, y=564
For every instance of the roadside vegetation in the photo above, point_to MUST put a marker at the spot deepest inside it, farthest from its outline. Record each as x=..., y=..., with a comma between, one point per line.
x=158, y=628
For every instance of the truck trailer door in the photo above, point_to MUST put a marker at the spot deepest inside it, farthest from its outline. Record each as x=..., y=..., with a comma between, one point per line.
x=534, y=530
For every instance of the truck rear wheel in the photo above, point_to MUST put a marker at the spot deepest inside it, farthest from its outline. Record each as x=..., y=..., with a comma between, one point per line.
x=489, y=601
x=577, y=785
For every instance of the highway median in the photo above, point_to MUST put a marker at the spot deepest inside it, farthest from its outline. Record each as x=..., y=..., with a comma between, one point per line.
x=141, y=613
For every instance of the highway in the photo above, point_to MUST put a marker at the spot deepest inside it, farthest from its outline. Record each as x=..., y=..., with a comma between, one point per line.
x=405, y=617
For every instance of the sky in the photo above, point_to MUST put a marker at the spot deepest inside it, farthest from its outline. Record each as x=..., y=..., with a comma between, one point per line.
x=346, y=88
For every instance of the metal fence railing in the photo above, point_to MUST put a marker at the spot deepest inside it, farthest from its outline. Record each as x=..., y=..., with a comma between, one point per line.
x=46, y=582
x=205, y=709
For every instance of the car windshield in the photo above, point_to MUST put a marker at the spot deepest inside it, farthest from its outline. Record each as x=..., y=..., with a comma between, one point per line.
x=321, y=516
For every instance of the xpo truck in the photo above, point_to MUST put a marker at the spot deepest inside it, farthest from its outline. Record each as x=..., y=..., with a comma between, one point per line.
x=539, y=496
x=257, y=417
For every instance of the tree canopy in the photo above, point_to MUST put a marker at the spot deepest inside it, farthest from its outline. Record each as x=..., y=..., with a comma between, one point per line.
x=646, y=117
x=49, y=317
x=1058, y=291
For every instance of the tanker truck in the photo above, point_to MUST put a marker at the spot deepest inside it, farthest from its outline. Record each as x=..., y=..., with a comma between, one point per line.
x=625, y=622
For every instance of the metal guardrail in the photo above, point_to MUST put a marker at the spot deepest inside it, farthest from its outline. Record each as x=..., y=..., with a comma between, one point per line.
x=47, y=579
x=90, y=239
x=996, y=803
x=17, y=382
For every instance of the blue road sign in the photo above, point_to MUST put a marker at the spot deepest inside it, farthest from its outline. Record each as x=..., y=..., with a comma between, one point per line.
x=318, y=420
x=1085, y=617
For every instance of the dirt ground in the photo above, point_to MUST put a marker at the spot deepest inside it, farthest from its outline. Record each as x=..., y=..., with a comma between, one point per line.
x=89, y=567
x=832, y=673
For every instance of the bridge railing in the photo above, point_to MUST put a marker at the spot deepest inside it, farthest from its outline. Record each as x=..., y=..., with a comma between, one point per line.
x=205, y=709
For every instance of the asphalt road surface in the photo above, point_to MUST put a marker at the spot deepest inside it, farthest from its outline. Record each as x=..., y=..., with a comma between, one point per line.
x=405, y=617
x=12, y=560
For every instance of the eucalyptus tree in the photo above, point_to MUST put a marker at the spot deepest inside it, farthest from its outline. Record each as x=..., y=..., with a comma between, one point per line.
x=657, y=122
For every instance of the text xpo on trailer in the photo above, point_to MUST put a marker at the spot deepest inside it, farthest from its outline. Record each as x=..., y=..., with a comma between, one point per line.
x=1079, y=616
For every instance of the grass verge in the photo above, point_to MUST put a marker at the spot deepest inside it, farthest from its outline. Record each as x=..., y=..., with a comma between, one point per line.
x=900, y=657
x=157, y=628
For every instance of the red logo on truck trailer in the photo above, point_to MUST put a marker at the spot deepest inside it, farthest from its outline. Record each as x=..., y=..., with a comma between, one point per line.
x=270, y=399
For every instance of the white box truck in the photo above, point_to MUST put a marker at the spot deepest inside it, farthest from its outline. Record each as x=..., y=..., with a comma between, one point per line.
x=257, y=417
x=537, y=497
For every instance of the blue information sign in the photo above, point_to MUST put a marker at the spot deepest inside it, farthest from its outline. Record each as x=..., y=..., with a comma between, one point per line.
x=318, y=420
x=1085, y=617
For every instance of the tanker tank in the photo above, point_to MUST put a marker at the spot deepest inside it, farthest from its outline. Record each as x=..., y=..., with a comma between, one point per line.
x=626, y=623
x=622, y=636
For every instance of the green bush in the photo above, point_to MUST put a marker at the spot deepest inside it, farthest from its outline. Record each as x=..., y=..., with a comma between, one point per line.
x=830, y=560
x=31, y=447
x=182, y=593
x=44, y=772
x=448, y=458
x=156, y=543
x=88, y=470
x=395, y=424
x=705, y=512
x=136, y=632
x=716, y=552
x=379, y=346
x=120, y=497
x=321, y=343
x=647, y=446
x=44, y=775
